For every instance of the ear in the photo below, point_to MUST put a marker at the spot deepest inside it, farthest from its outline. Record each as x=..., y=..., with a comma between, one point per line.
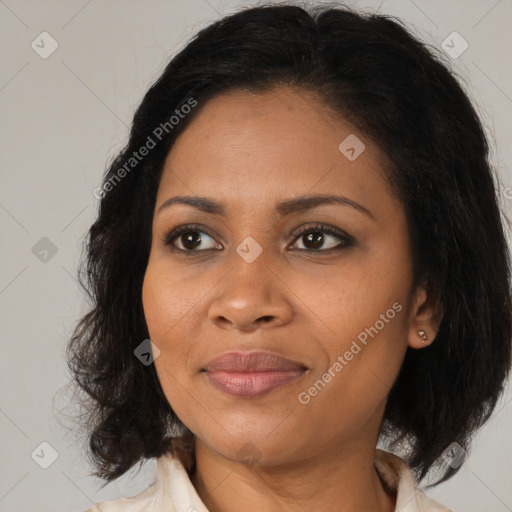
x=425, y=315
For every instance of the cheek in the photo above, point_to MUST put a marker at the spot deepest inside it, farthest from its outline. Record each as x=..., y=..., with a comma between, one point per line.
x=168, y=301
x=344, y=394
x=168, y=307
x=364, y=307
x=168, y=310
x=353, y=296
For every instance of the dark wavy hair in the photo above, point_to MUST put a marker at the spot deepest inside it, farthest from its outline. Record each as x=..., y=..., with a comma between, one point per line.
x=399, y=93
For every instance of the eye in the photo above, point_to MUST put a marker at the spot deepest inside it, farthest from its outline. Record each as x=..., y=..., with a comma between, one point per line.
x=314, y=238
x=189, y=237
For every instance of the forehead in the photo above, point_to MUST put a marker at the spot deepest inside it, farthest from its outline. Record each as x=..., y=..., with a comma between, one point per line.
x=243, y=146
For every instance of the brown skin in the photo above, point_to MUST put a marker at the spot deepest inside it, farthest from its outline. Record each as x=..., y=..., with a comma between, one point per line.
x=250, y=151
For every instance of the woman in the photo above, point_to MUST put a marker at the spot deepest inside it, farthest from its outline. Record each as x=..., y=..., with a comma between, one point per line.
x=299, y=253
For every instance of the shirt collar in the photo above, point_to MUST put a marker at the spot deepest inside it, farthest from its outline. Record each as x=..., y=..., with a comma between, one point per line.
x=399, y=478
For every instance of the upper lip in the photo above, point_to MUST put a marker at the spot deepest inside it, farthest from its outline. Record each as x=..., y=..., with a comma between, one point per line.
x=252, y=362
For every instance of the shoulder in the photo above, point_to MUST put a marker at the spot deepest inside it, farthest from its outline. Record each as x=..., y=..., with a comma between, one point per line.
x=397, y=475
x=171, y=489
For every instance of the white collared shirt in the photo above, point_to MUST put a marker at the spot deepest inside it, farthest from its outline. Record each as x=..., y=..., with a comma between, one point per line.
x=174, y=492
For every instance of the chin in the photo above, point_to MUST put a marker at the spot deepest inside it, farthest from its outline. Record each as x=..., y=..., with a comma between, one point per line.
x=252, y=449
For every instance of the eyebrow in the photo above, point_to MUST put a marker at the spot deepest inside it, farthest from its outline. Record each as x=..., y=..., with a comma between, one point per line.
x=288, y=206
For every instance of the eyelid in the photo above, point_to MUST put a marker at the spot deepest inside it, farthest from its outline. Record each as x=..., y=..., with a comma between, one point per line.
x=322, y=227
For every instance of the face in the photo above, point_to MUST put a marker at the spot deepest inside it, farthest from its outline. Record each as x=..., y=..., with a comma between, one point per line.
x=324, y=285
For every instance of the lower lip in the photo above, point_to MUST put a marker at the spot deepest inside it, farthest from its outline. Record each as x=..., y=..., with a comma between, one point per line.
x=252, y=384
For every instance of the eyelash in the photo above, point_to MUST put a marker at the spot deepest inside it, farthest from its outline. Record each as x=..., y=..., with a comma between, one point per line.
x=347, y=241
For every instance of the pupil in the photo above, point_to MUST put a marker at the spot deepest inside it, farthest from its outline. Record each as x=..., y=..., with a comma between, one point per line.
x=189, y=240
x=316, y=238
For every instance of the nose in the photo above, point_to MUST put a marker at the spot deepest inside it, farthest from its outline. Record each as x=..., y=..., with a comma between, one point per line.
x=252, y=296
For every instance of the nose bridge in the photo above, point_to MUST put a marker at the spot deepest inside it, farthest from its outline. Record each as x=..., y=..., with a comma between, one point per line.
x=250, y=268
x=252, y=251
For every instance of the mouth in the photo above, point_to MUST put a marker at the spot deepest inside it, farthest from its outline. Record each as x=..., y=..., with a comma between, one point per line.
x=252, y=374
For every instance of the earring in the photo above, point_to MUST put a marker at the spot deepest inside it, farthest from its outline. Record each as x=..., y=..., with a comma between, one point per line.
x=423, y=335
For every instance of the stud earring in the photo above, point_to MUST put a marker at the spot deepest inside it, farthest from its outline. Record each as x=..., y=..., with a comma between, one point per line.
x=423, y=335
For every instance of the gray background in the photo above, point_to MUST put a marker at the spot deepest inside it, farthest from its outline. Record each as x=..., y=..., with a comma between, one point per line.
x=63, y=119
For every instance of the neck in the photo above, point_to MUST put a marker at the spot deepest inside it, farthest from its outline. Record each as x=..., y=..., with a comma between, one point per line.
x=342, y=480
